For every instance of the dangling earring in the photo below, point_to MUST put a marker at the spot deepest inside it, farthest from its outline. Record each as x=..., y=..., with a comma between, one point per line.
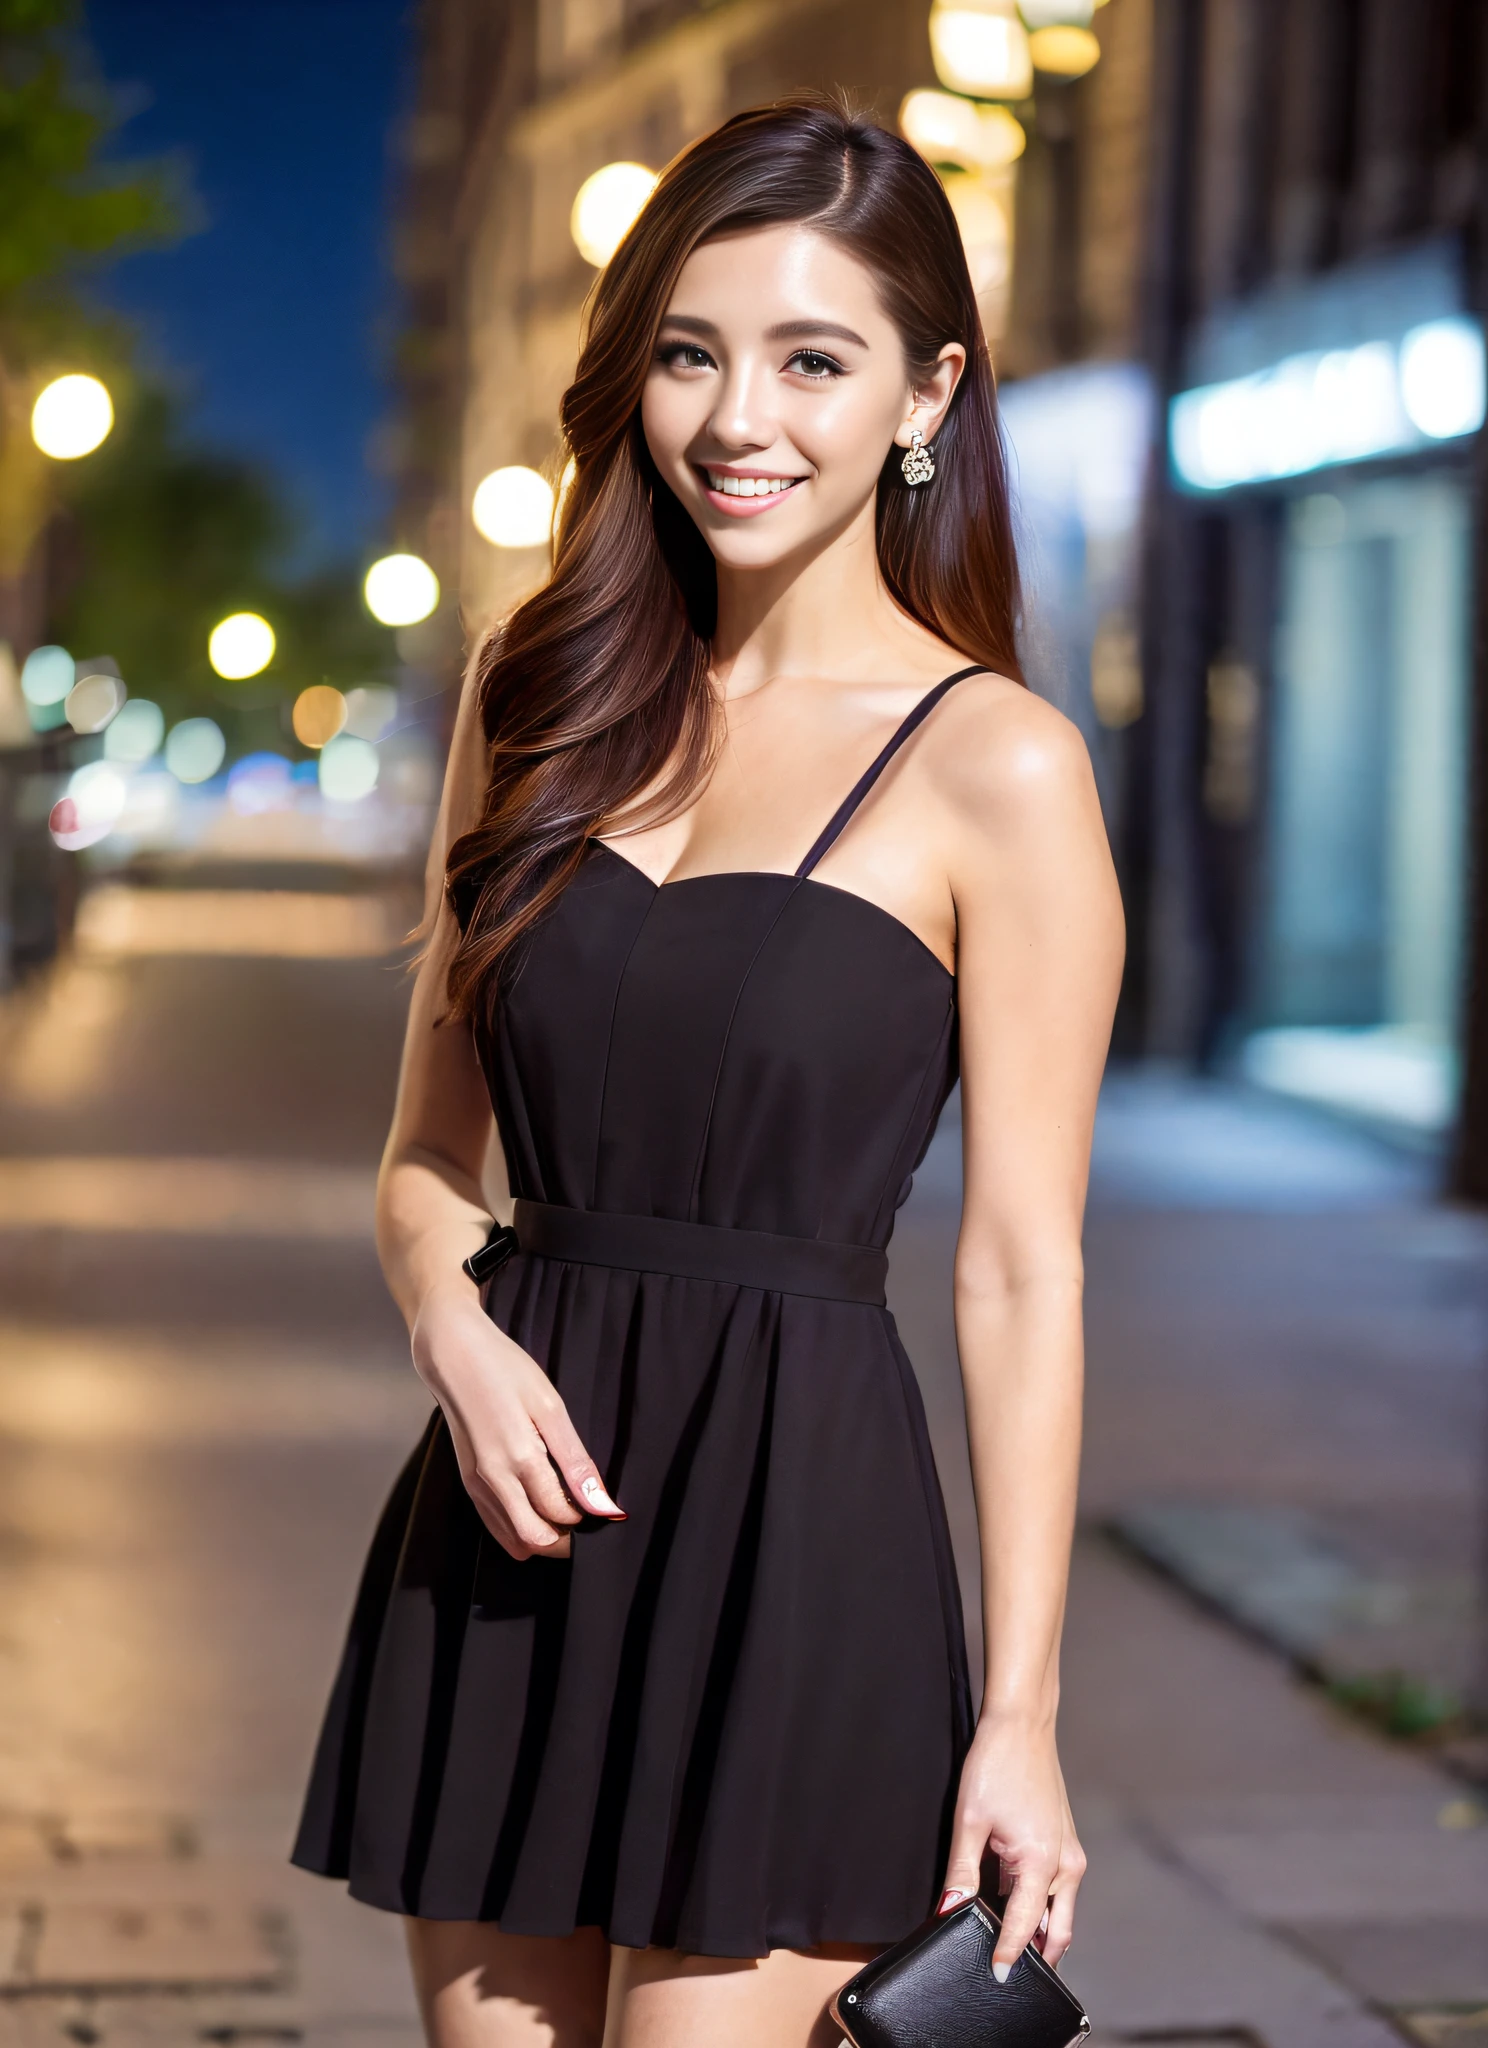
x=918, y=464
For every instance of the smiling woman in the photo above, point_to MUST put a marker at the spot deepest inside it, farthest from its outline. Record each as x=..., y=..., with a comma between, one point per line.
x=654, y=1718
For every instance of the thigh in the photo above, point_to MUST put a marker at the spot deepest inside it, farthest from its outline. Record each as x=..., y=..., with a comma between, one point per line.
x=659, y=1999
x=480, y=1988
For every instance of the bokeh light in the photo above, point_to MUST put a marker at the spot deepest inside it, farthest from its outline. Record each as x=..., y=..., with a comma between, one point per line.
x=260, y=782
x=348, y=769
x=985, y=234
x=319, y=714
x=93, y=701
x=400, y=590
x=135, y=734
x=195, y=749
x=513, y=507
x=90, y=808
x=604, y=208
x=1064, y=51
x=72, y=417
x=951, y=130
x=47, y=674
x=240, y=646
x=370, y=710
x=1057, y=13
x=981, y=47
x=1442, y=384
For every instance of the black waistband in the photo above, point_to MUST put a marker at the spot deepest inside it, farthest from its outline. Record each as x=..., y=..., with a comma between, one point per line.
x=703, y=1251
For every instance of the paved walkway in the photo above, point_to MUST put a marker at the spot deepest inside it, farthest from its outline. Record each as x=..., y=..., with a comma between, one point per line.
x=199, y=1415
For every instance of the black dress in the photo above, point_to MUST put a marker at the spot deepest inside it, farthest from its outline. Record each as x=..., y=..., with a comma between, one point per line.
x=735, y=1721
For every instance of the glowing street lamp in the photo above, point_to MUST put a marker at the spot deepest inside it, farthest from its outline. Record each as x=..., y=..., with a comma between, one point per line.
x=1060, y=40
x=951, y=130
x=241, y=645
x=71, y=417
x=604, y=208
x=981, y=47
x=513, y=507
x=400, y=590
x=1063, y=50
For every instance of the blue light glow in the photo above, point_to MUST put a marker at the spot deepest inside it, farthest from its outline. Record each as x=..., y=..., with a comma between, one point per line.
x=1337, y=405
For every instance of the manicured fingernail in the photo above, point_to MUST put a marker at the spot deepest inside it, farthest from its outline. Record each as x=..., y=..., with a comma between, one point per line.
x=951, y=1899
x=598, y=1501
x=1002, y=1971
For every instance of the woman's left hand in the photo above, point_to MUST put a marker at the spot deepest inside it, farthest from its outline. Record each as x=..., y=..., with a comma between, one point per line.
x=1012, y=1803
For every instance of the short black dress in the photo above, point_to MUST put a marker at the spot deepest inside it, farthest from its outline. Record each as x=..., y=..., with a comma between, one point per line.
x=733, y=1722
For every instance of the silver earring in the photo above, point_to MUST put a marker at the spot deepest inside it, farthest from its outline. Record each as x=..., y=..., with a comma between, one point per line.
x=918, y=464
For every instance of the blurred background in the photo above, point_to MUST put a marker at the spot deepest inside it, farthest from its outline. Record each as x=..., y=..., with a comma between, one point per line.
x=289, y=292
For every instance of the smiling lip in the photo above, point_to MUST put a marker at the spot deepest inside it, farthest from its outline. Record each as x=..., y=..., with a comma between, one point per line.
x=755, y=490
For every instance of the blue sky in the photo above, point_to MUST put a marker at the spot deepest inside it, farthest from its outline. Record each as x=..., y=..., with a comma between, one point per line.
x=274, y=318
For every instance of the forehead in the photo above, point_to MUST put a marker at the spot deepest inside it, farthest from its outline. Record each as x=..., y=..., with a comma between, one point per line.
x=775, y=274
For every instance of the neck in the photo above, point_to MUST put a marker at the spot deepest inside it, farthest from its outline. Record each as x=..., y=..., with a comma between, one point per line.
x=808, y=615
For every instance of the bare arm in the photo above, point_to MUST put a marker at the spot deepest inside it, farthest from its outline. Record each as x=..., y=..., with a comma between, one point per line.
x=521, y=1461
x=1039, y=960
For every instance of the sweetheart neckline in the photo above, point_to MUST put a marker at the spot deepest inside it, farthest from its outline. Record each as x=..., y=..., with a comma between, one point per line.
x=778, y=875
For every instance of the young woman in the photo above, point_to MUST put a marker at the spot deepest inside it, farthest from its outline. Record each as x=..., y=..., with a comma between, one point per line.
x=654, y=1719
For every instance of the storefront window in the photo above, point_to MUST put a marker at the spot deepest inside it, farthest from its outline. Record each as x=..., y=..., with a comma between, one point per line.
x=1363, y=926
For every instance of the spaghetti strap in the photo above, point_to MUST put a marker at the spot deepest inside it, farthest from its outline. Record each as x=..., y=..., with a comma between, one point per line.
x=842, y=816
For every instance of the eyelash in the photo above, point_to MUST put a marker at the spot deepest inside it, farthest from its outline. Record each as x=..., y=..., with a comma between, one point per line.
x=671, y=353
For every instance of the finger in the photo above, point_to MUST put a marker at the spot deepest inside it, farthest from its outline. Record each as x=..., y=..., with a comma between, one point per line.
x=580, y=1473
x=964, y=1869
x=544, y=1489
x=1020, y=1919
x=1061, y=1924
x=529, y=1527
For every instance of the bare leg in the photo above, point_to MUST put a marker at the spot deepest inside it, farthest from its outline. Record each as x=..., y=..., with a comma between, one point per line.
x=659, y=1999
x=480, y=1988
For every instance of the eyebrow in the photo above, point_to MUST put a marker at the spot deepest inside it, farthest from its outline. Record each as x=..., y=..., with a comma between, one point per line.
x=787, y=330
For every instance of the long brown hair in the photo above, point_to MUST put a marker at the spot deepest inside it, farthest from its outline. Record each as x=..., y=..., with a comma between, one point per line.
x=596, y=690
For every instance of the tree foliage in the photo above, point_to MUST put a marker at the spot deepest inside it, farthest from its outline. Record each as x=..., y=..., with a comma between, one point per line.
x=163, y=539
x=61, y=205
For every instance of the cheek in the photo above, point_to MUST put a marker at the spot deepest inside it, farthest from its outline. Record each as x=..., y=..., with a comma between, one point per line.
x=847, y=432
x=669, y=420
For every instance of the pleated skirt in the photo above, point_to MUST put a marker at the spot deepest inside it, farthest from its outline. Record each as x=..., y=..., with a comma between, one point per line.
x=730, y=1724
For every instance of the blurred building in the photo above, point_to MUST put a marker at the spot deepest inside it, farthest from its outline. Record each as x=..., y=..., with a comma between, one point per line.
x=1233, y=289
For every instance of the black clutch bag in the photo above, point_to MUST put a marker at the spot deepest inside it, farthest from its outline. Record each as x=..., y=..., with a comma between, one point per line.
x=935, y=1989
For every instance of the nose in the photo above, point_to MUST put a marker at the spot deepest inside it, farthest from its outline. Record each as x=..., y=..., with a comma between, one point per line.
x=742, y=420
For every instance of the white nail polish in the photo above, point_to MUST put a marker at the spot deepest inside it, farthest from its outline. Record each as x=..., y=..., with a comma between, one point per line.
x=1002, y=1971
x=594, y=1493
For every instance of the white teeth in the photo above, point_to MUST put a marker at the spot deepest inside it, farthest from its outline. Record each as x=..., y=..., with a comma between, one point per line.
x=748, y=486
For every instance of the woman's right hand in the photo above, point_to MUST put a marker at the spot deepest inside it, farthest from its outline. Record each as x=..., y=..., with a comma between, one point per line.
x=520, y=1457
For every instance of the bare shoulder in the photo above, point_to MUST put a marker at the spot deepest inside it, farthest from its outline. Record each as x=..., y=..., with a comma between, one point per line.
x=1002, y=759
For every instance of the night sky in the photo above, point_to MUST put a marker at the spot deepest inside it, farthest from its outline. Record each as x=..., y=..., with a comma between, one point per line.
x=274, y=318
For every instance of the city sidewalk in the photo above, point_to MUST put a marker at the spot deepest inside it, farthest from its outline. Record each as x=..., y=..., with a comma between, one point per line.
x=204, y=1395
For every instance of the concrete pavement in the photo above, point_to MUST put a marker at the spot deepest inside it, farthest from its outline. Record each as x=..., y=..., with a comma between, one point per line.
x=204, y=1394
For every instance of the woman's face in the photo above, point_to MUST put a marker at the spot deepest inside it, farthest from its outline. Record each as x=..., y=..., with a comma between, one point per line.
x=778, y=386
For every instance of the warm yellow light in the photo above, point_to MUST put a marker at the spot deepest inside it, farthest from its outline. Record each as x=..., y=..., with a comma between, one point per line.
x=981, y=47
x=941, y=125
x=1064, y=51
x=240, y=646
x=319, y=714
x=985, y=234
x=513, y=507
x=400, y=590
x=950, y=130
x=71, y=417
x=605, y=206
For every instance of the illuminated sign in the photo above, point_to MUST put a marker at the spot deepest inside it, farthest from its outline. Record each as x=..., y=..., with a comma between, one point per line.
x=1330, y=406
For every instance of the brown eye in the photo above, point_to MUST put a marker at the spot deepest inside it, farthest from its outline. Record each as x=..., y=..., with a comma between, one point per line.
x=812, y=363
x=685, y=355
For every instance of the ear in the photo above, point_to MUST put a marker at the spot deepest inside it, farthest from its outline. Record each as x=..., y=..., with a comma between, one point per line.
x=931, y=395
